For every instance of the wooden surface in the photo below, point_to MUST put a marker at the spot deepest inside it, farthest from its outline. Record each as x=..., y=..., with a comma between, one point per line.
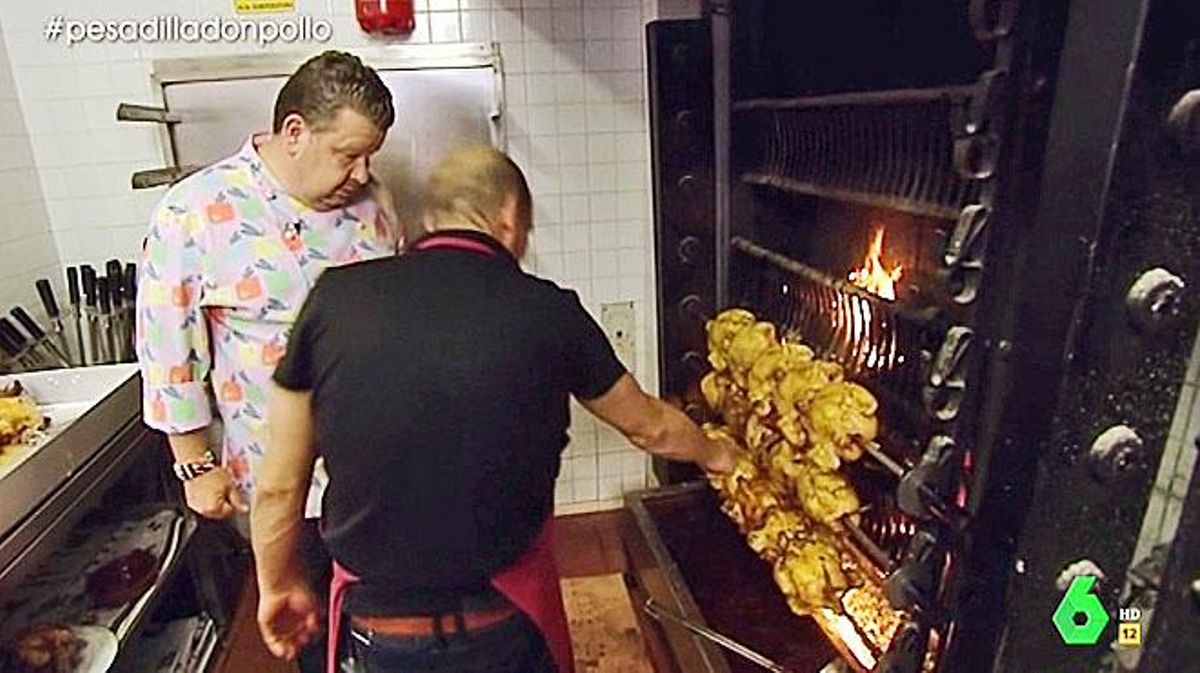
x=604, y=628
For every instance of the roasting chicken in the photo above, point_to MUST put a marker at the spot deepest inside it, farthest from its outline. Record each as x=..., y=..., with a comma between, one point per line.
x=796, y=420
x=810, y=575
x=747, y=346
x=46, y=648
x=721, y=331
x=842, y=419
x=714, y=387
x=825, y=496
x=783, y=463
x=779, y=528
x=802, y=383
x=19, y=416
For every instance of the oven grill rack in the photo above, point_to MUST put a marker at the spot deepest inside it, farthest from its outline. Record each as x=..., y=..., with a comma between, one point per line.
x=875, y=340
x=901, y=150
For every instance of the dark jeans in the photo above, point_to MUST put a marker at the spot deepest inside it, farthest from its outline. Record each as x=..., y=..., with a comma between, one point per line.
x=512, y=646
x=318, y=568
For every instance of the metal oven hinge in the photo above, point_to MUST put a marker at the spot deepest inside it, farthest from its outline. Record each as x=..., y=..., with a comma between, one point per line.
x=907, y=651
x=913, y=586
x=924, y=491
x=946, y=385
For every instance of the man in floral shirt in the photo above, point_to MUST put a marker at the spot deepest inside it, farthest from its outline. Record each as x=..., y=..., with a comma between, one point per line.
x=231, y=255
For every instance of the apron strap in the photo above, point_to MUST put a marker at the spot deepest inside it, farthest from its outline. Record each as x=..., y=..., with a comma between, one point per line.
x=342, y=580
x=532, y=584
x=456, y=243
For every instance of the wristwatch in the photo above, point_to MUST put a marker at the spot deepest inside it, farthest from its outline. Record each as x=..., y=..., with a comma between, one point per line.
x=192, y=469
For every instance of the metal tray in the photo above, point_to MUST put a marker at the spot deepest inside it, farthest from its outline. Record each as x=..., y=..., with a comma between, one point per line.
x=689, y=557
x=88, y=407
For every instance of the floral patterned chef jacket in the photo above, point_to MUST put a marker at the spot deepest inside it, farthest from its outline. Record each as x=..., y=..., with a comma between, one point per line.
x=228, y=262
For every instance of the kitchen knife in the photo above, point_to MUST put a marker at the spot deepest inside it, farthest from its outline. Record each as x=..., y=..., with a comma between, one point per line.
x=116, y=287
x=21, y=346
x=50, y=303
x=40, y=340
x=76, y=315
x=105, y=333
x=131, y=289
x=91, y=314
x=10, y=351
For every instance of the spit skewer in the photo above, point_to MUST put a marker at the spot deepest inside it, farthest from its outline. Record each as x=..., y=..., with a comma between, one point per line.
x=655, y=610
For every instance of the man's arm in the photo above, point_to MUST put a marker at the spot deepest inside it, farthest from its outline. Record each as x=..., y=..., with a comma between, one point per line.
x=657, y=427
x=174, y=353
x=287, y=612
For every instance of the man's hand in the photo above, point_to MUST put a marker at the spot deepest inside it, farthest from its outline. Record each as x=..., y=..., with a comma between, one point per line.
x=214, y=495
x=721, y=457
x=288, y=619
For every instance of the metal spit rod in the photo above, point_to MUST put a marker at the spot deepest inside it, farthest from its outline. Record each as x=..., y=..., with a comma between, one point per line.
x=919, y=316
x=658, y=612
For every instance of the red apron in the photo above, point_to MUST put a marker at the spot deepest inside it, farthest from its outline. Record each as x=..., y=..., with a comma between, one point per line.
x=531, y=582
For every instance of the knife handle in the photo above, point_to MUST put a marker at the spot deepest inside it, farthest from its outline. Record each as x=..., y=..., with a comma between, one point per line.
x=9, y=346
x=48, y=301
x=73, y=285
x=10, y=332
x=28, y=323
x=116, y=288
x=103, y=293
x=116, y=280
x=89, y=284
x=131, y=274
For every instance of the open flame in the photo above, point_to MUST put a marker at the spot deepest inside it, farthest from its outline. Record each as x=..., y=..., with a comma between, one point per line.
x=854, y=316
x=874, y=277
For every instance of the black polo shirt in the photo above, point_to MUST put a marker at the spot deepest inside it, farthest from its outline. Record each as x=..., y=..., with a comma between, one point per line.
x=441, y=381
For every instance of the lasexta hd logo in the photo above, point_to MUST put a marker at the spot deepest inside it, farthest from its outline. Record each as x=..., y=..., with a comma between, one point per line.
x=1081, y=617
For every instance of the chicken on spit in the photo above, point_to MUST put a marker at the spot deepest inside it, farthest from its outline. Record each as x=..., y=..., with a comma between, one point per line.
x=842, y=419
x=797, y=420
x=825, y=496
x=780, y=527
x=746, y=347
x=810, y=574
x=721, y=331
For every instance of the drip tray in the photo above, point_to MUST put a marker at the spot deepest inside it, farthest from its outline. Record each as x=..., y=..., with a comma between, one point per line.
x=689, y=556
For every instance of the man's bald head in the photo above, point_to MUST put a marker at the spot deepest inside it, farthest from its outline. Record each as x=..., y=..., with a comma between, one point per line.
x=481, y=188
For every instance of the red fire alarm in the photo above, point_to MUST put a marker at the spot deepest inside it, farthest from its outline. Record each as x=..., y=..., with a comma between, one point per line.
x=385, y=16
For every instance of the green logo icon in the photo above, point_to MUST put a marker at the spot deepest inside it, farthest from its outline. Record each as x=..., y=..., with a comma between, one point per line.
x=1080, y=617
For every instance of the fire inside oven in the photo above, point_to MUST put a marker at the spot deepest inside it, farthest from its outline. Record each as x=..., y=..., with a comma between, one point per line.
x=852, y=209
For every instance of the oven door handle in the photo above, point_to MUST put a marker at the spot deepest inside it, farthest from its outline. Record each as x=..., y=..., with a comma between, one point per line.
x=661, y=614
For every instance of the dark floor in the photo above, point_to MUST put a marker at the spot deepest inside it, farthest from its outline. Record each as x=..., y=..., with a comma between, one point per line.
x=585, y=544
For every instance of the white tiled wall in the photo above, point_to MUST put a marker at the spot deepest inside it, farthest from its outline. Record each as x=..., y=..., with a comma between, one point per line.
x=577, y=123
x=27, y=249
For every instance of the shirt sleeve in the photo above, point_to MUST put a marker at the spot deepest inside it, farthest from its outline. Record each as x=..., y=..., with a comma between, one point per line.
x=172, y=334
x=296, y=371
x=592, y=365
